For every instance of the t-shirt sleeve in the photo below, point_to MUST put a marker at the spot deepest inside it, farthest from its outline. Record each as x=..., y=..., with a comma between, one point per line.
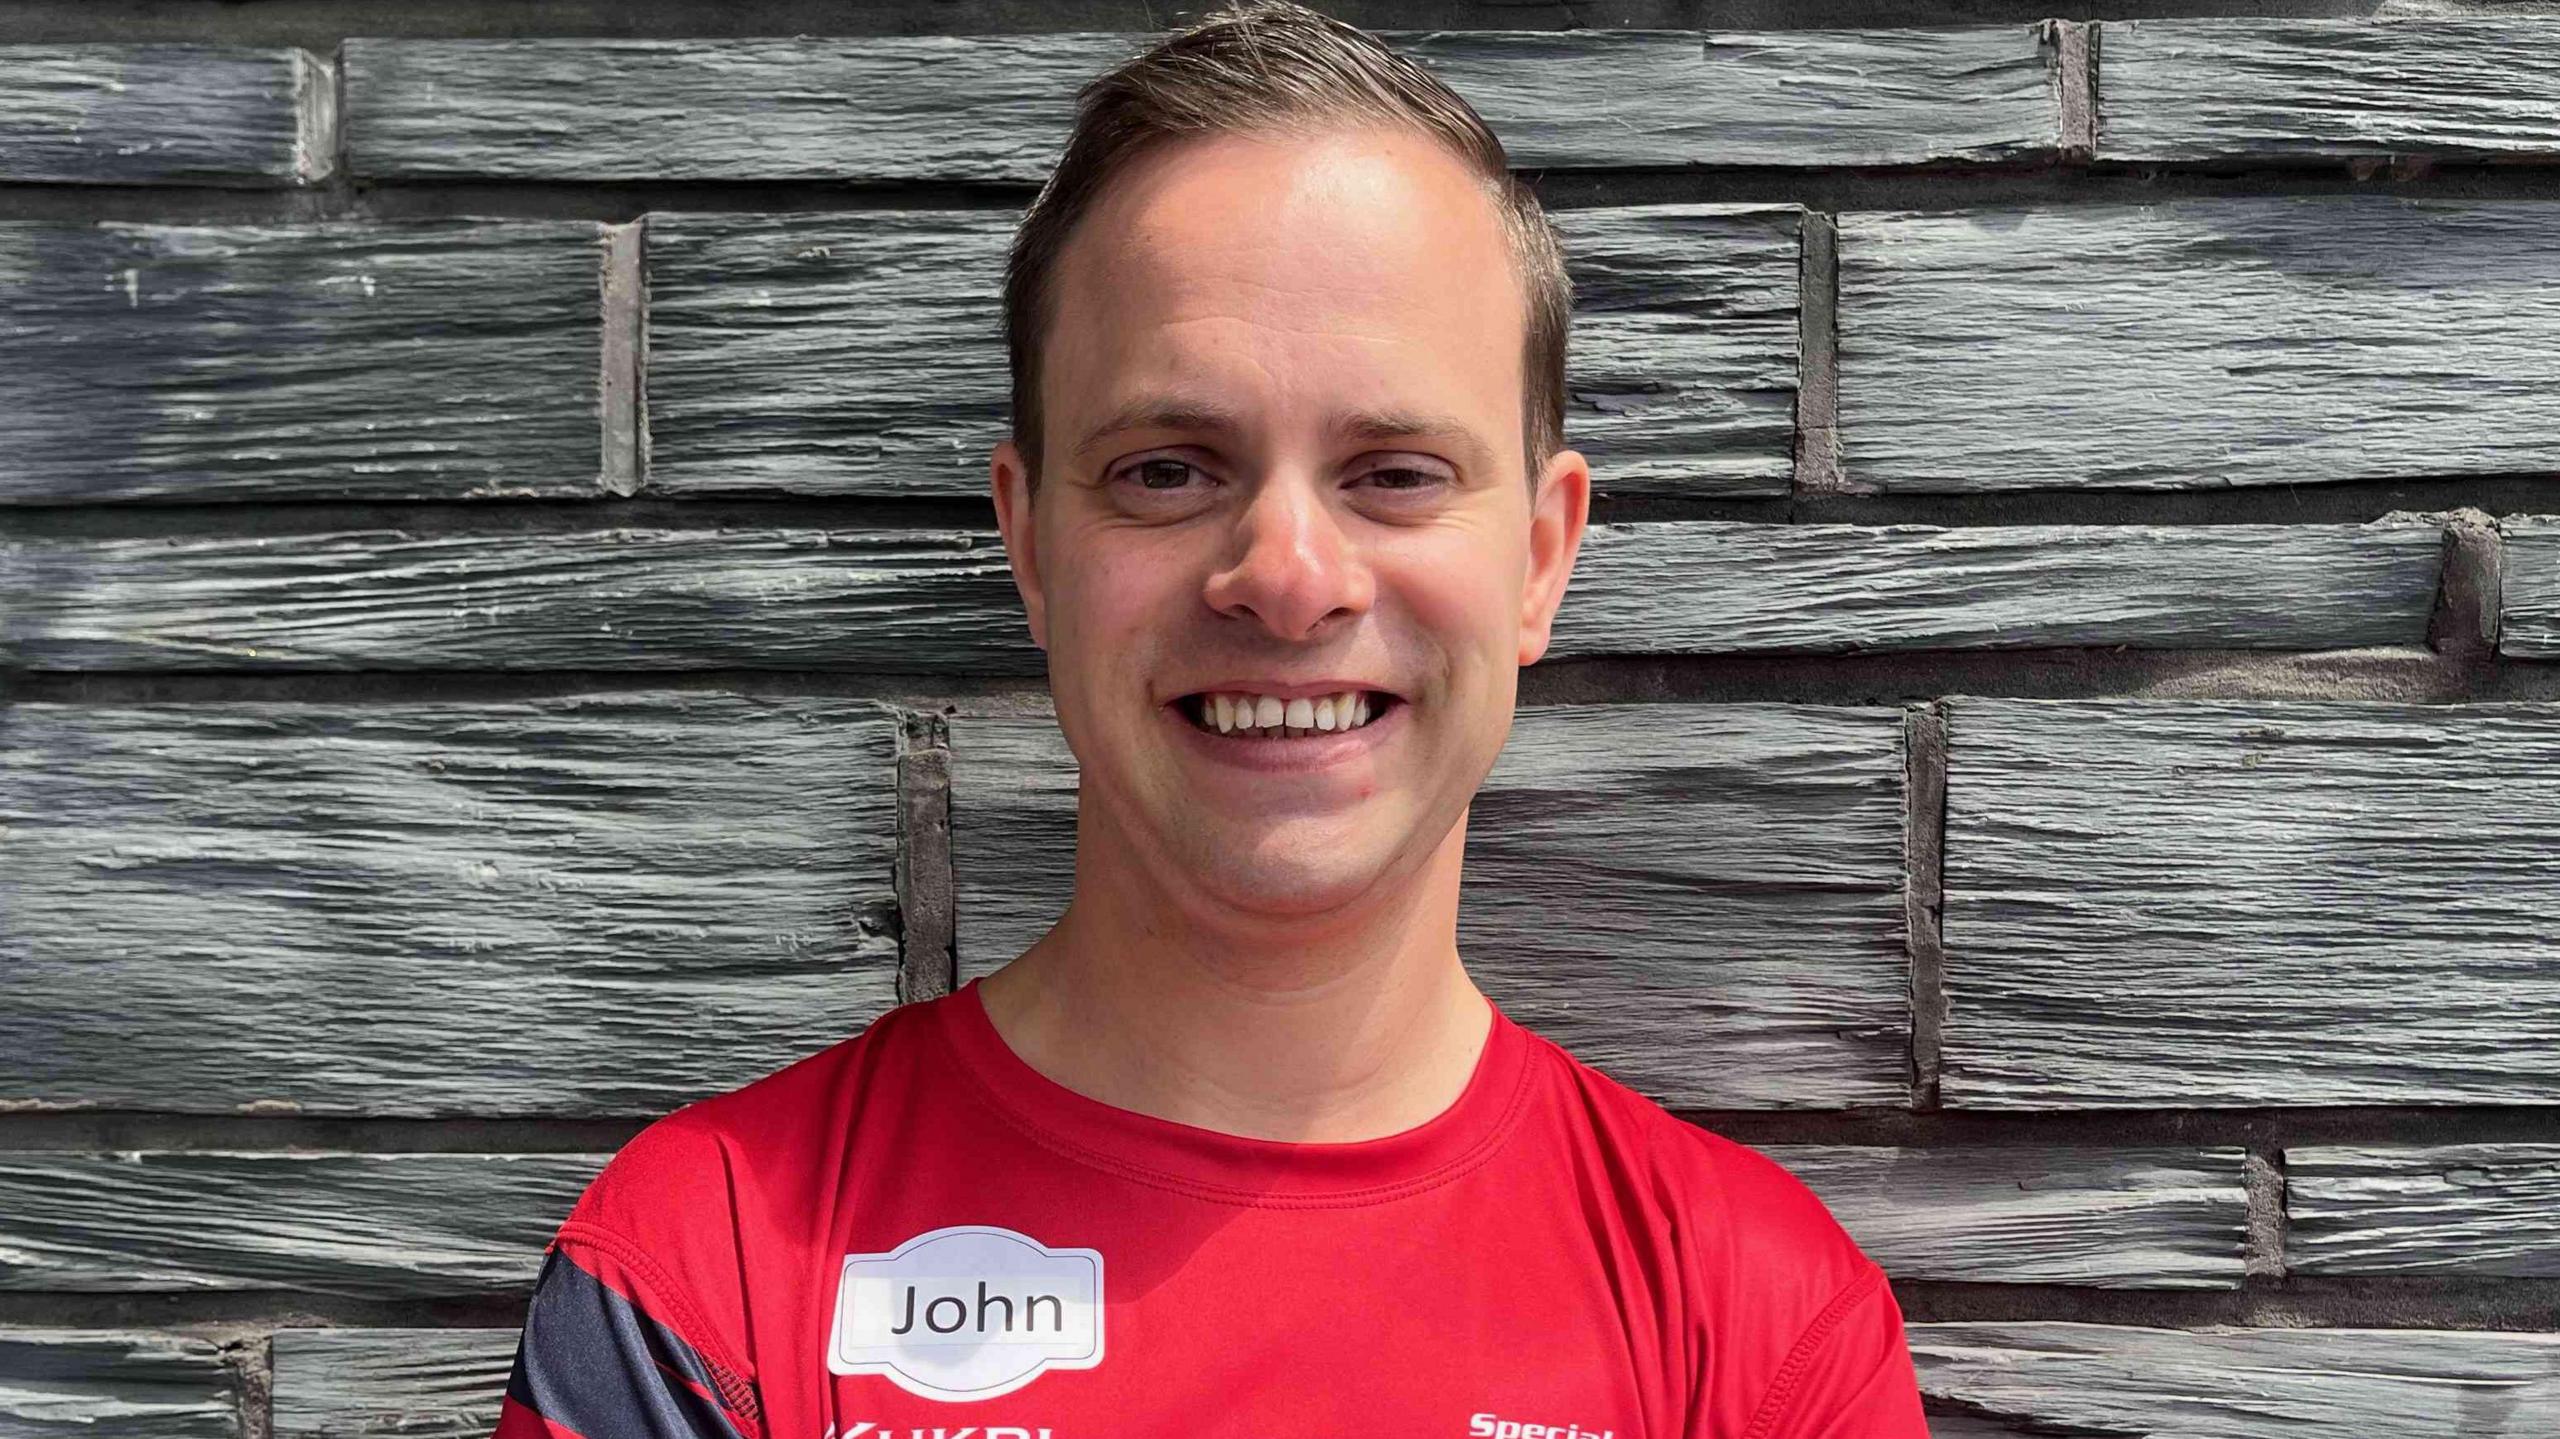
x=1795, y=1331
x=1848, y=1376
x=635, y=1330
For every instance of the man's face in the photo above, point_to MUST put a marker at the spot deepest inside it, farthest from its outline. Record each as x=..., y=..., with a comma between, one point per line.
x=1283, y=390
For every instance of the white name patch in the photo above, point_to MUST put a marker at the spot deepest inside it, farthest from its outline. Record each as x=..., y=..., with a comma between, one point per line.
x=968, y=1312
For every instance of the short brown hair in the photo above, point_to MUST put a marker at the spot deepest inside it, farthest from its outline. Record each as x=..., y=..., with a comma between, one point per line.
x=1275, y=66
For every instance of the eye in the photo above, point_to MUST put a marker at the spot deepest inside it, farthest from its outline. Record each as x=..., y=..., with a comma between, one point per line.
x=1404, y=477
x=1159, y=473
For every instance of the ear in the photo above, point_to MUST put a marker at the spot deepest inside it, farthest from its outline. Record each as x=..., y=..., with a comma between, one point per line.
x=1558, y=513
x=1012, y=484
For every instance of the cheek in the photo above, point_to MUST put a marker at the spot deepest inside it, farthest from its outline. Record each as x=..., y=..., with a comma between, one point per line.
x=1465, y=596
x=1113, y=612
x=1115, y=588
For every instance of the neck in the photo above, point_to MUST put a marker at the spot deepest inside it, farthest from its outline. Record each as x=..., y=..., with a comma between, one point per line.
x=1344, y=1027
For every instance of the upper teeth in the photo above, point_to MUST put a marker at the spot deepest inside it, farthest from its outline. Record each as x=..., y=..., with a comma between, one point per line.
x=1228, y=713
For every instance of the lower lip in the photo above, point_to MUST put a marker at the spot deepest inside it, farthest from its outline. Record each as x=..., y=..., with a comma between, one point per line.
x=1284, y=755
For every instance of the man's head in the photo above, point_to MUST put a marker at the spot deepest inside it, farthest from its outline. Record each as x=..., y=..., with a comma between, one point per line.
x=1288, y=352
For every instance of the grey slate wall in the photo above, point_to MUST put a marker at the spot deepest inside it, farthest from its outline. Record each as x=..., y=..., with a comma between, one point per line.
x=500, y=635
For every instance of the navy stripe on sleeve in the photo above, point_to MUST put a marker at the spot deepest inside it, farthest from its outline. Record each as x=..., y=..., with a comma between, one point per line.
x=593, y=1361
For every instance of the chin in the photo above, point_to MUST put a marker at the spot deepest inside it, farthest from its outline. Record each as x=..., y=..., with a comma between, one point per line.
x=1290, y=879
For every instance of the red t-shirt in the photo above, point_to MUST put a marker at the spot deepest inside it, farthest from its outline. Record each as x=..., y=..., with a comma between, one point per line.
x=914, y=1233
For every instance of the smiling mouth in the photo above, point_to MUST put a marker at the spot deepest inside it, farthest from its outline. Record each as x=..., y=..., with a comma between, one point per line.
x=1250, y=716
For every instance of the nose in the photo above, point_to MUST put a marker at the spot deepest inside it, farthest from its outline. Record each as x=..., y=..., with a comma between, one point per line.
x=1296, y=568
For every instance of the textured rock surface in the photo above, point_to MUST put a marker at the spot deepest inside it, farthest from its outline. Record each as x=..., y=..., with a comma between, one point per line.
x=2266, y=902
x=2124, y=1218
x=997, y=107
x=372, y=1226
x=592, y=904
x=1975, y=1426
x=58, y=1383
x=443, y=359
x=2223, y=1383
x=927, y=107
x=171, y=113
x=2239, y=89
x=1704, y=587
x=839, y=354
x=2199, y=342
x=630, y=597
x=2431, y=1209
x=934, y=601
x=415, y=1383
x=1680, y=373
x=2531, y=629
x=864, y=354
x=1595, y=97
x=1735, y=888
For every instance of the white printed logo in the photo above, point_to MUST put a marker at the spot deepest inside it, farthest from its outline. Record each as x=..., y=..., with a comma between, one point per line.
x=1487, y=1426
x=968, y=1312
x=874, y=1430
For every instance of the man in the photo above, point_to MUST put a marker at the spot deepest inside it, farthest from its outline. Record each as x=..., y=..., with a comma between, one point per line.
x=1237, y=1148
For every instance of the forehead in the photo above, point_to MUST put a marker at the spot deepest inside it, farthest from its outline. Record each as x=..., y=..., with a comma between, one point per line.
x=1357, y=270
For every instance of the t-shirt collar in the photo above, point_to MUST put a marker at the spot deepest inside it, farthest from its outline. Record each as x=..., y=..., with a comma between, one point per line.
x=1236, y=1168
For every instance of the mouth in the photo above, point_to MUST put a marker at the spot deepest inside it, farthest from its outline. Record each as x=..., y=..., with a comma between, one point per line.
x=1242, y=715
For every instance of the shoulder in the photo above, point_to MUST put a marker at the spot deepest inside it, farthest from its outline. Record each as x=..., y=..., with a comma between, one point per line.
x=687, y=1205
x=641, y=1307
x=1784, y=1318
x=691, y=1169
x=1734, y=1207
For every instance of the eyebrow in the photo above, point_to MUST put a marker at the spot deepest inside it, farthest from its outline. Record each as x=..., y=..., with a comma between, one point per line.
x=1166, y=412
